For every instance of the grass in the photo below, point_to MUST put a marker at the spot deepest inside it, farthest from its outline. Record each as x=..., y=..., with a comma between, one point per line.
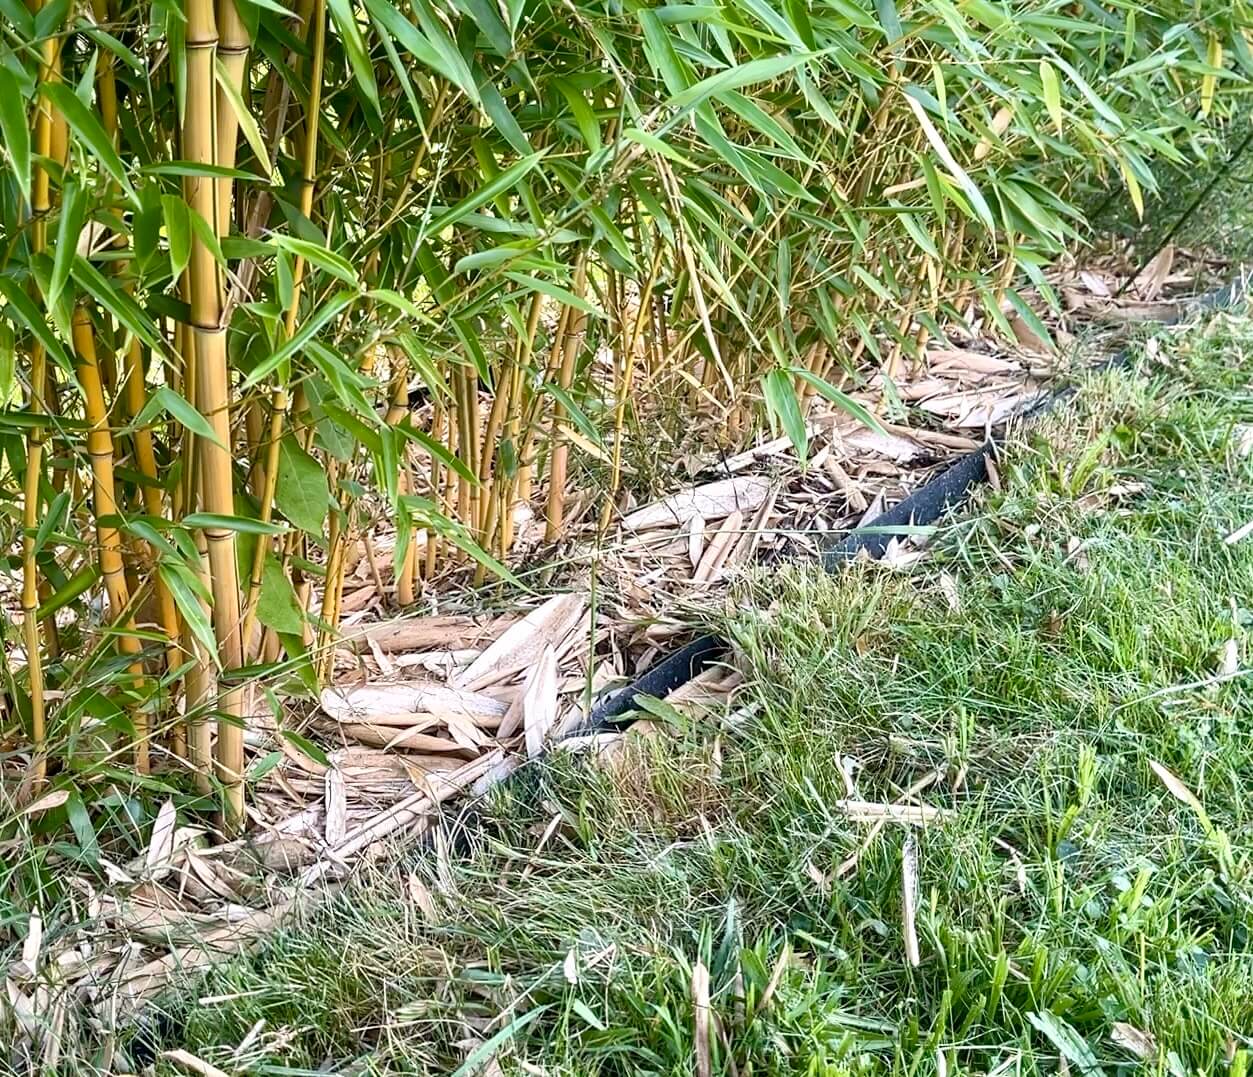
x=1048, y=669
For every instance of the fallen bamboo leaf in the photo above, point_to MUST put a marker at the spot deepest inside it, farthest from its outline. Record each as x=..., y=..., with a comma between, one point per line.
x=523, y=642
x=539, y=702
x=865, y=811
x=424, y=633
x=712, y=501
x=420, y=895
x=1239, y=534
x=1151, y=279
x=701, y=1014
x=719, y=548
x=32, y=944
x=375, y=703
x=161, y=844
x=185, y=1060
x=46, y=802
x=1141, y=1044
x=336, y=806
x=909, y=899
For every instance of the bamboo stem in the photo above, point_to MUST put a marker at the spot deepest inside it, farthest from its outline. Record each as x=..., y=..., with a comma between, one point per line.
x=104, y=506
x=624, y=390
x=213, y=396
x=39, y=207
x=559, y=449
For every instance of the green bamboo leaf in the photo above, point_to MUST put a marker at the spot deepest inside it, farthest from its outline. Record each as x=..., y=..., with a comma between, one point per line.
x=428, y=515
x=90, y=133
x=581, y=421
x=69, y=227
x=784, y=409
x=26, y=315
x=555, y=291
x=890, y=19
x=958, y=173
x=78, y=584
x=504, y=182
x=83, y=828
x=247, y=123
x=20, y=18
x=8, y=364
x=1094, y=99
x=1052, y=94
x=327, y=260
x=185, y=588
x=177, y=232
x=302, y=495
x=656, y=145
x=241, y=524
x=304, y=334
x=450, y=56
x=584, y=118
x=13, y=127
x=840, y=399
x=354, y=45
x=277, y=605
x=502, y=118
x=763, y=70
x=165, y=400
x=661, y=53
x=195, y=169
x=128, y=313
x=437, y=449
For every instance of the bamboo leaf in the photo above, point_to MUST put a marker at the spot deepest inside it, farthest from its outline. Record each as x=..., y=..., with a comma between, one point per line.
x=73, y=213
x=166, y=400
x=178, y=232
x=247, y=123
x=327, y=260
x=504, y=182
x=304, y=334
x=186, y=590
x=242, y=524
x=950, y=162
x=437, y=449
x=354, y=45
x=840, y=399
x=25, y=314
x=1052, y=94
x=763, y=70
x=124, y=308
x=890, y=18
x=302, y=495
x=90, y=133
x=277, y=605
x=14, y=128
x=555, y=291
x=784, y=409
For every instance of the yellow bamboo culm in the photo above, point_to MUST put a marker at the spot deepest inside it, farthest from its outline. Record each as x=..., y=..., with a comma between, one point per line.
x=40, y=204
x=625, y=378
x=104, y=506
x=559, y=449
x=232, y=55
x=212, y=391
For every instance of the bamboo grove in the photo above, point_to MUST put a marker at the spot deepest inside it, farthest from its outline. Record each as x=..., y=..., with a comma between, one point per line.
x=270, y=275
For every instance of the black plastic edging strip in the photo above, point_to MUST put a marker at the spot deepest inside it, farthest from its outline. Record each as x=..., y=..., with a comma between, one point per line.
x=924, y=506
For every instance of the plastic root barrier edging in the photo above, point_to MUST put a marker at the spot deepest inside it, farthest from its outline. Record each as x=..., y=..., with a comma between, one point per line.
x=923, y=507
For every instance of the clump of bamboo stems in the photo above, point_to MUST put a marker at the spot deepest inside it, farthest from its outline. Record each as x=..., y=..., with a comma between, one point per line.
x=361, y=252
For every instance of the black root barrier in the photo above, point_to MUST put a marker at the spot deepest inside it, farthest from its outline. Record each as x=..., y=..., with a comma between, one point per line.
x=924, y=506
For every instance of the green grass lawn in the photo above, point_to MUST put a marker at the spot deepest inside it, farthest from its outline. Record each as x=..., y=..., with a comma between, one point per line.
x=1066, y=682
